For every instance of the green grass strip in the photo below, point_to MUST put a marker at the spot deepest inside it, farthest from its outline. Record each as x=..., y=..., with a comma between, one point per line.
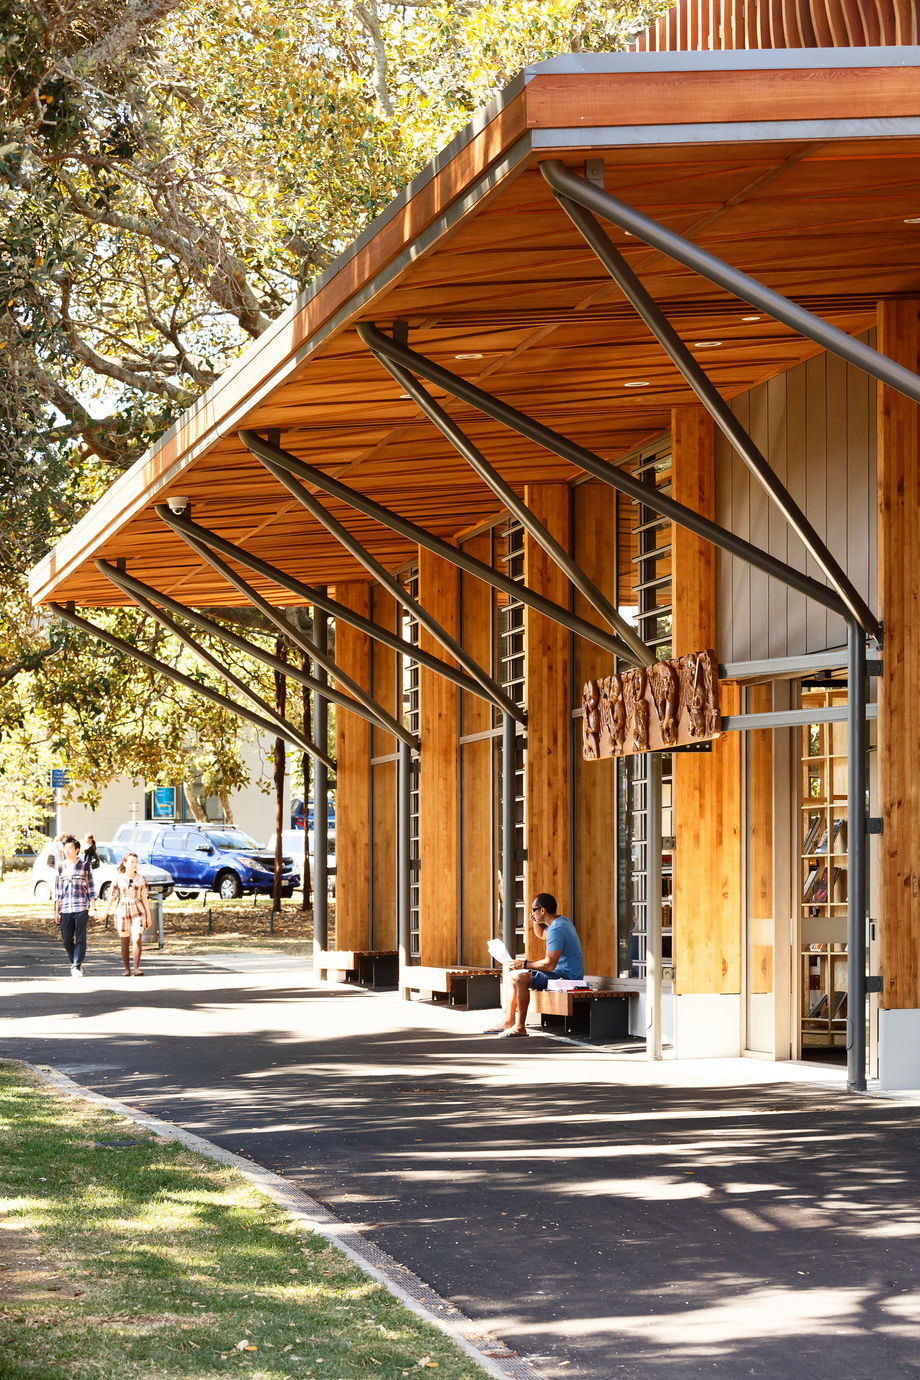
x=122, y=1254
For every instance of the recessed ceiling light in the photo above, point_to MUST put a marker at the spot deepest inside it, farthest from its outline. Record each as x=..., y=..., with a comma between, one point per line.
x=473, y=354
x=407, y=397
x=912, y=220
x=637, y=383
x=706, y=344
x=752, y=318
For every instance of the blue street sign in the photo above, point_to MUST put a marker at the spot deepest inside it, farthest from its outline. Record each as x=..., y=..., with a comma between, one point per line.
x=60, y=777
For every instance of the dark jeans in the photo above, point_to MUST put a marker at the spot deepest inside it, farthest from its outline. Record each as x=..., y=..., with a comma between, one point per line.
x=73, y=933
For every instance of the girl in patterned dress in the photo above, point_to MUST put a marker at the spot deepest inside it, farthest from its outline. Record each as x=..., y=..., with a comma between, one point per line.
x=132, y=913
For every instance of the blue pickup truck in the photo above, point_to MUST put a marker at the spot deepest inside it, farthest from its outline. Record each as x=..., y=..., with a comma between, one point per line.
x=202, y=858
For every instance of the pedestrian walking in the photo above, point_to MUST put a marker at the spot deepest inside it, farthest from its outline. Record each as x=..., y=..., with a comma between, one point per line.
x=132, y=912
x=74, y=896
x=90, y=851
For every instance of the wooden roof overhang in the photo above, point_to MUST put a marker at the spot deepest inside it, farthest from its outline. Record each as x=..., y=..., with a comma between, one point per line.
x=798, y=167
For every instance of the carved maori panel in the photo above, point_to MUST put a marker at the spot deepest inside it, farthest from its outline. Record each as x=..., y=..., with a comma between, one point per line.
x=668, y=704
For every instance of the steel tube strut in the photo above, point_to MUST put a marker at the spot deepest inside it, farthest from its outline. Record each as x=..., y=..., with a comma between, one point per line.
x=207, y=659
x=856, y=832
x=718, y=409
x=717, y=271
x=311, y=594
x=269, y=726
x=130, y=585
x=617, y=478
x=404, y=528
x=299, y=638
x=641, y=654
x=388, y=581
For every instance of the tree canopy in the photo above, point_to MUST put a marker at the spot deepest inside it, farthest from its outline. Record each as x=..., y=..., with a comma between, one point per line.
x=172, y=172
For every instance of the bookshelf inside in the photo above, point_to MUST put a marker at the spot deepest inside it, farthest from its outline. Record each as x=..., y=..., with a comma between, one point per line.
x=823, y=874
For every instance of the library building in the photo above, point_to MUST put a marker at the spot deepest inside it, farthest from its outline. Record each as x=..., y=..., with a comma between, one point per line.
x=585, y=489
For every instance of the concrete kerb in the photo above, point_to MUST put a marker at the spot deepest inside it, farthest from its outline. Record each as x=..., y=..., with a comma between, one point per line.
x=489, y=1352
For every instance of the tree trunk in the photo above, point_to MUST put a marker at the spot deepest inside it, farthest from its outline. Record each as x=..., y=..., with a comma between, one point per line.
x=280, y=705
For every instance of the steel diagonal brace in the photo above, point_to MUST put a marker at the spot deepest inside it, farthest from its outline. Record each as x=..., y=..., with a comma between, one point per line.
x=741, y=285
x=274, y=727
x=311, y=595
x=132, y=586
x=715, y=405
x=381, y=574
x=617, y=478
x=271, y=455
x=641, y=654
x=300, y=639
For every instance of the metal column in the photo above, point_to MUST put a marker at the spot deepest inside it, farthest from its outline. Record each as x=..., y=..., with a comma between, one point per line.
x=508, y=745
x=320, y=803
x=653, y=907
x=856, y=829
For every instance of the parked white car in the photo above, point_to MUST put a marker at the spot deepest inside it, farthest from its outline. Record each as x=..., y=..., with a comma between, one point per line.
x=159, y=883
x=292, y=846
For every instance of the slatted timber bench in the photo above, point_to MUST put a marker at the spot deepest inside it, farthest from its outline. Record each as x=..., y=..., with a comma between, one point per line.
x=587, y=1012
x=478, y=989
x=363, y=967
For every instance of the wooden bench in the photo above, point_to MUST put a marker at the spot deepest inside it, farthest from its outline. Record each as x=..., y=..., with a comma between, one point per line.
x=363, y=967
x=587, y=1012
x=477, y=989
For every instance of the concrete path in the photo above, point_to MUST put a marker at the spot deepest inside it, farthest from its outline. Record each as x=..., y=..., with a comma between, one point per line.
x=603, y=1216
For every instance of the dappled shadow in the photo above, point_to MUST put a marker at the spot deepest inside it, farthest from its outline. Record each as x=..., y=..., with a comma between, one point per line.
x=613, y=1227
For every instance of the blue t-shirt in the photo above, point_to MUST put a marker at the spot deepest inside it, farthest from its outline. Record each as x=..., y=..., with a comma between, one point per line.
x=561, y=935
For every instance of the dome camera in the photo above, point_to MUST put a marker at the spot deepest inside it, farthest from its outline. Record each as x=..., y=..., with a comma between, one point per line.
x=177, y=503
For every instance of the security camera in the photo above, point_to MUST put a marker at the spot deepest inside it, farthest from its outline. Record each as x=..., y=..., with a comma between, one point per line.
x=178, y=503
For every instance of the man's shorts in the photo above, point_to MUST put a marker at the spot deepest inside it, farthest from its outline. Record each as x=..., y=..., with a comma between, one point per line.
x=538, y=981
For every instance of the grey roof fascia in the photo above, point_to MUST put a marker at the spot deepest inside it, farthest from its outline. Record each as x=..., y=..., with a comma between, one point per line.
x=748, y=131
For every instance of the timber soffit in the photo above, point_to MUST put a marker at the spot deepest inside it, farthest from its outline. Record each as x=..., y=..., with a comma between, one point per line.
x=496, y=146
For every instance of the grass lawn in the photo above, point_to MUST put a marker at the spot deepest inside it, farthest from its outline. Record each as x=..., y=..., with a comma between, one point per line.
x=122, y=1254
x=190, y=926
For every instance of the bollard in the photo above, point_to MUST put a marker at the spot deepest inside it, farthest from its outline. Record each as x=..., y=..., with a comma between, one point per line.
x=158, y=907
x=209, y=920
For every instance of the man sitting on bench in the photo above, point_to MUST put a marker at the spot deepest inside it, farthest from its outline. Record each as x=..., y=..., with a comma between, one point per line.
x=564, y=959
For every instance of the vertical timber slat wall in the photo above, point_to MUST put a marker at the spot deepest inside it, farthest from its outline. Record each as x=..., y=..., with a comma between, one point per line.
x=546, y=809
x=386, y=673
x=438, y=753
x=476, y=877
x=707, y=786
x=353, y=783
x=899, y=609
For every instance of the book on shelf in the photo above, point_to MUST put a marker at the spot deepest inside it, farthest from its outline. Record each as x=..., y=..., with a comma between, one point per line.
x=821, y=845
x=809, y=884
x=840, y=835
x=810, y=838
x=819, y=887
x=840, y=884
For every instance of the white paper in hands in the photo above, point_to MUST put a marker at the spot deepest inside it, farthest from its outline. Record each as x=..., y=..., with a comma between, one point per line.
x=499, y=952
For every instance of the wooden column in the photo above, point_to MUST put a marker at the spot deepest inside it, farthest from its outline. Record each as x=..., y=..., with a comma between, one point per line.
x=707, y=786
x=549, y=722
x=899, y=608
x=386, y=673
x=352, y=796
x=438, y=824
x=478, y=807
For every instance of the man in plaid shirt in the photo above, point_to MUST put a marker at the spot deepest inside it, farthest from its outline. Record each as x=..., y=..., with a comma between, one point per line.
x=74, y=893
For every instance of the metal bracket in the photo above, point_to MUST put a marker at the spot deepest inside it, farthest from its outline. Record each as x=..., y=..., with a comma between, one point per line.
x=874, y=668
x=873, y=824
x=690, y=747
x=874, y=984
x=594, y=171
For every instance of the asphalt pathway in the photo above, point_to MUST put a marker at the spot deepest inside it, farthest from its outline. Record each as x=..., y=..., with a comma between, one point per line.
x=605, y=1218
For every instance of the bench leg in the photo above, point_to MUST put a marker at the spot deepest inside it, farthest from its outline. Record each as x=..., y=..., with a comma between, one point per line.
x=477, y=991
x=603, y=1020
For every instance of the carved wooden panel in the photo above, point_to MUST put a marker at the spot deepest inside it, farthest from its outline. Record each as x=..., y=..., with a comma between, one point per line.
x=669, y=704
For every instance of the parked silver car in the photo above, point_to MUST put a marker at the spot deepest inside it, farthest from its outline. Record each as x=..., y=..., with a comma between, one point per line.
x=159, y=883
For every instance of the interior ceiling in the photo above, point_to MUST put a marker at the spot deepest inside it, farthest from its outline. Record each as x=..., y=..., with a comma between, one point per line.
x=514, y=300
